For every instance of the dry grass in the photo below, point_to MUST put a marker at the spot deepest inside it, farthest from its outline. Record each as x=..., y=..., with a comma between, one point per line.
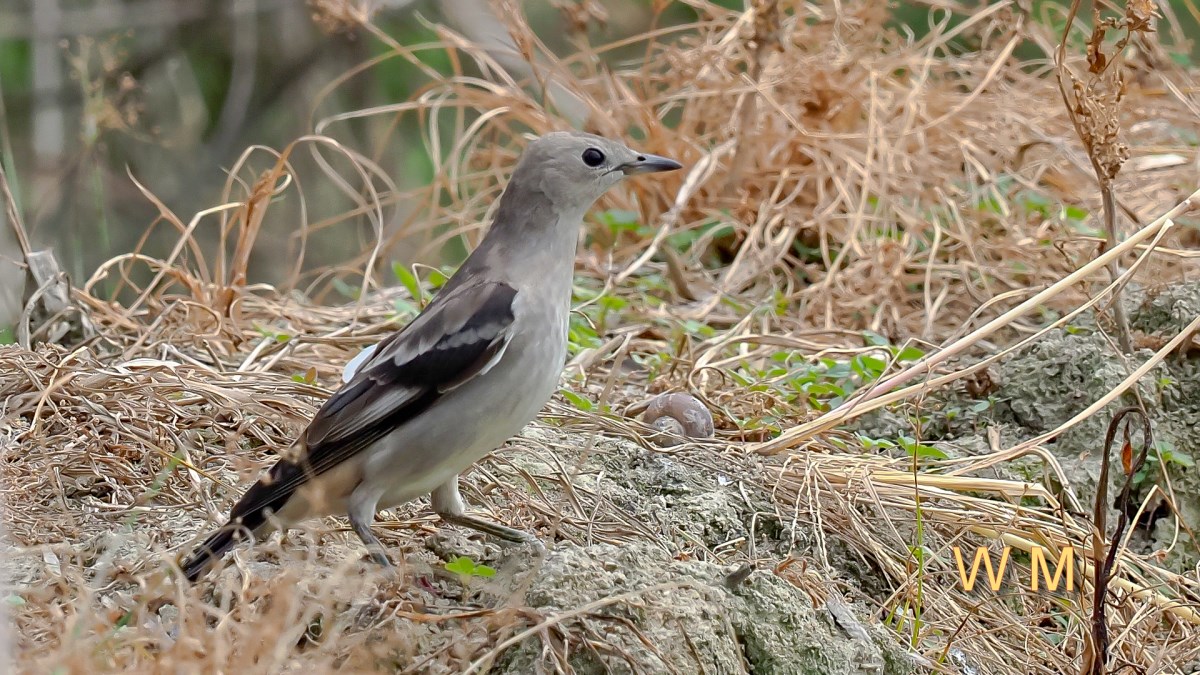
x=842, y=178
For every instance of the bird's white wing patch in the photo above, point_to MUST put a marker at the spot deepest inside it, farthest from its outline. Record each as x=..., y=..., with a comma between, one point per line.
x=356, y=362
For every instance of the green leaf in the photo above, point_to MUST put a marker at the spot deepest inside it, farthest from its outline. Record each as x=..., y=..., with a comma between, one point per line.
x=1183, y=459
x=465, y=567
x=915, y=449
x=869, y=367
x=910, y=354
x=461, y=565
x=874, y=444
x=1075, y=213
x=839, y=370
x=577, y=400
x=407, y=279
x=612, y=302
x=437, y=278
x=825, y=388
x=581, y=335
x=7, y=337
x=1176, y=457
x=740, y=379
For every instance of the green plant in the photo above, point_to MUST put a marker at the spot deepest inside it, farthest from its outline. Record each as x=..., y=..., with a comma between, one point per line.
x=467, y=569
x=829, y=382
x=1164, y=454
x=580, y=402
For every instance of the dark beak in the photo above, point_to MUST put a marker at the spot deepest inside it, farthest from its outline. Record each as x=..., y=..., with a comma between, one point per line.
x=649, y=164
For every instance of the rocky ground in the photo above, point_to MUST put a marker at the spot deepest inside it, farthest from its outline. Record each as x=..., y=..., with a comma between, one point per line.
x=1047, y=383
x=686, y=559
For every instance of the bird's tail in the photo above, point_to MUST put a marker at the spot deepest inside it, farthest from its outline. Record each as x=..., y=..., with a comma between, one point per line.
x=247, y=518
x=209, y=552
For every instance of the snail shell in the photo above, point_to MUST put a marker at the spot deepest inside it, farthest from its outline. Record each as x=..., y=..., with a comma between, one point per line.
x=678, y=414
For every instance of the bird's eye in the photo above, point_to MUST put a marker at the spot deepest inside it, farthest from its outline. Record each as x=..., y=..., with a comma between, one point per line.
x=593, y=157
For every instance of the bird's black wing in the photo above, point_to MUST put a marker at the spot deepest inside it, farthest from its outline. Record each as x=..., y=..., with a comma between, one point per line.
x=459, y=336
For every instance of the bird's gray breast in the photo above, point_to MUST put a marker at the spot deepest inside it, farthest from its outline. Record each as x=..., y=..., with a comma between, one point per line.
x=536, y=355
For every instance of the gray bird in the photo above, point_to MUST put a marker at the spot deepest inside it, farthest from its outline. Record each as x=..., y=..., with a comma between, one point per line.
x=463, y=377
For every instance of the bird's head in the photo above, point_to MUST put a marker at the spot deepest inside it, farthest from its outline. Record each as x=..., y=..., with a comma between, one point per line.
x=573, y=169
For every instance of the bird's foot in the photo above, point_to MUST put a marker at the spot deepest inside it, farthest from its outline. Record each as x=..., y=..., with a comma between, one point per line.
x=497, y=530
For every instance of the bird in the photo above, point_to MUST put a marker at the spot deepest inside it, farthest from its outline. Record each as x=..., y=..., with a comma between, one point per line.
x=466, y=374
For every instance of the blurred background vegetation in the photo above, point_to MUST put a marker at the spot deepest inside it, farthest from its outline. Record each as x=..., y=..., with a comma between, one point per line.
x=96, y=93
x=171, y=92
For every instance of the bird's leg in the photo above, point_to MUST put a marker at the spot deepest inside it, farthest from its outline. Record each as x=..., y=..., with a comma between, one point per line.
x=362, y=514
x=448, y=504
x=374, y=546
